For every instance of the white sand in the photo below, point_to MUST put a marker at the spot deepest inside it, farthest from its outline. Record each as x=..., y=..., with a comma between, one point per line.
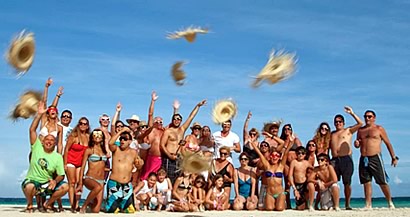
x=11, y=211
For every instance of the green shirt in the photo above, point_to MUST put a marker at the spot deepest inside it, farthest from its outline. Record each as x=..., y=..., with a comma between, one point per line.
x=43, y=165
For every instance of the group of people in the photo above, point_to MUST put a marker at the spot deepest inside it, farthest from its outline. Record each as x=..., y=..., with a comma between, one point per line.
x=138, y=165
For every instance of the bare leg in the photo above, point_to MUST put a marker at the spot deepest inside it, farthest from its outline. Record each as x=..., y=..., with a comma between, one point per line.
x=95, y=189
x=29, y=192
x=368, y=194
x=348, y=193
x=311, y=198
x=62, y=190
x=335, y=197
x=386, y=191
x=71, y=177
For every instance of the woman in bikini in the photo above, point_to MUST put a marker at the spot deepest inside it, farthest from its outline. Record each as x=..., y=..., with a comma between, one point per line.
x=224, y=168
x=77, y=143
x=96, y=156
x=192, y=140
x=180, y=193
x=245, y=185
x=216, y=196
x=322, y=138
x=206, y=142
x=273, y=170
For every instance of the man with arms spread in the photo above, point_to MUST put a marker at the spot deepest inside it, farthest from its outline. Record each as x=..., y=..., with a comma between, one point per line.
x=43, y=164
x=227, y=138
x=341, y=148
x=120, y=191
x=170, y=141
x=369, y=140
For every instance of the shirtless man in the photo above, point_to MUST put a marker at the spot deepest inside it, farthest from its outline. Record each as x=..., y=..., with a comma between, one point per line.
x=324, y=178
x=120, y=190
x=341, y=149
x=154, y=160
x=369, y=140
x=271, y=131
x=170, y=141
x=297, y=177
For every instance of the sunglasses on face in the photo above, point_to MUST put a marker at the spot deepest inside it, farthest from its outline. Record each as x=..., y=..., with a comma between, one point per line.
x=288, y=128
x=105, y=119
x=338, y=122
x=321, y=159
x=134, y=122
x=83, y=124
x=118, y=126
x=244, y=159
x=223, y=153
x=301, y=153
x=312, y=145
x=197, y=128
x=177, y=119
x=368, y=116
x=143, y=127
x=324, y=128
x=264, y=145
x=275, y=155
x=65, y=116
x=158, y=122
x=97, y=134
x=200, y=182
x=252, y=134
x=124, y=138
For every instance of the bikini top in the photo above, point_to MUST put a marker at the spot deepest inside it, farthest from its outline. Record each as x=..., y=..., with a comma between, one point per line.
x=96, y=158
x=44, y=131
x=269, y=174
x=183, y=186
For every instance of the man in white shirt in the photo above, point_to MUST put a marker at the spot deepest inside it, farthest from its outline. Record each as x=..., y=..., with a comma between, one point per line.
x=226, y=138
x=65, y=121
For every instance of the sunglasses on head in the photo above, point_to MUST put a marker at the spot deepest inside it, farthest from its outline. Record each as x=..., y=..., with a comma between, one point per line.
x=65, y=116
x=124, y=138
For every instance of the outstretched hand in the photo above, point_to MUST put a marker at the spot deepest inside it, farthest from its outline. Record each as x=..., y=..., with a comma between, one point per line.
x=349, y=110
x=119, y=107
x=60, y=91
x=249, y=115
x=203, y=102
x=176, y=104
x=154, y=96
x=49, y=82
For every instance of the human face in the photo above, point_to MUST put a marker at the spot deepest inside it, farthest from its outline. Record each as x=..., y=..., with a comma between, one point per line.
x=134, y=124
x=97, y=136
x=274, y=157
x=223, y=154
x=301, y=155
x=161, y=177
x=369, y=118
x=199, y=183
x=105, y=121
x=322, y=161
x=83, y=124
x=324, y=129
x=339, y=124
x=118, y=127
x=253, y=134
x=52, y=112
x=219, y=182
x=288, y=130
x=143, y=128
x=311, y=147
x=226, y=127
x=264, y=147
x=158, y=122
x=125, y=141
x=66, y=119
x=176, y=121
x=152, y=180
x=49, y=143
x=206, y=131
x=274, y=130
x=244, y=160
x=196, y=130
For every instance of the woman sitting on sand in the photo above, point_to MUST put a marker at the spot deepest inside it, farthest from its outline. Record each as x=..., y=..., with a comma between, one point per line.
x=273, y=170
x=180, y=193
x=96, y=157
x=245, y=184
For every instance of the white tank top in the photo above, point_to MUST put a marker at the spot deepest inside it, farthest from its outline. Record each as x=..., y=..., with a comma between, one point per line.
x=162, y=186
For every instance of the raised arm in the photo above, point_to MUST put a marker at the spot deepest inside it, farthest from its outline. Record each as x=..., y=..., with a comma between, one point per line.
x=154, y=98
x=192, y=115
x=57, y=97
x=359, y=122
x=36, y=121
x=264, y=161
x=111, y=143
x=386, y=140
x=115, y=118
x=245, y=127
x=49, y=82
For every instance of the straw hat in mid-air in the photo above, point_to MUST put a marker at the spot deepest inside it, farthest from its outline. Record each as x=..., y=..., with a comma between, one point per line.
x=194, y=162
x=224, y=110
x=188, y=33
x=21, y=52
x=280, y=66
x=27, y=105
x=178, y=73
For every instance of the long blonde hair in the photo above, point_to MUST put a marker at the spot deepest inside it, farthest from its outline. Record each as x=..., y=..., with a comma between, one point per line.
x=319, y=138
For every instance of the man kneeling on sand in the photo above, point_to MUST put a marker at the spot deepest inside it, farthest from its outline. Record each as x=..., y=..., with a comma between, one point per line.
x=120, y=191
x=44, y=163
x=324, y=178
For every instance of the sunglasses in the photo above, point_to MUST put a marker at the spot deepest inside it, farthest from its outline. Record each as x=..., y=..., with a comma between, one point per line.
x=244, y=159
x=226, y=125
x=338, y=122
x=252, y=134
x=200, y=182
x=141, y=127
x=312, y=145
x=324, y=128
x=65, y=116
x=223, y=153
x=119, y=126
x=321, y=159
x=368, y=116
x=288, y=128
x=134, y=122
x=83, y=124
x=197, y=128
x=275, y=155
x=97, y=134
x=105, y=119
x=301, y=153
x=158, y=122
x=124, y=138
x=177, y=119
x=264, y=145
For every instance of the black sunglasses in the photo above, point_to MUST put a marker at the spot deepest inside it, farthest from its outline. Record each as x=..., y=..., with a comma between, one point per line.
x=223, y=153
x=65, y=116
x=244, y=158
x=123, y=138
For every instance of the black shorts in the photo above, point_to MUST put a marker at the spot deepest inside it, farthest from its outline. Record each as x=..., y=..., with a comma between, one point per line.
x=302, y=189
x=344, y=168
x=372, y=166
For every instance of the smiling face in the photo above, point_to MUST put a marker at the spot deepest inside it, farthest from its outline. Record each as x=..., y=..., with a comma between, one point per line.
x=369, y=118
x=324, y=129
x=219, y=182
x=274, y=158
x=226, y=126
x=158, y=123
x=49, y=143
x=66, y=118
x=83, y=125
x=125, y=140
x=52, y=112
x=176, y=120
x=152, y=180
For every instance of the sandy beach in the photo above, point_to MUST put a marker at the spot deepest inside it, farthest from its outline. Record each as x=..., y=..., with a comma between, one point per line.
x=16, y=210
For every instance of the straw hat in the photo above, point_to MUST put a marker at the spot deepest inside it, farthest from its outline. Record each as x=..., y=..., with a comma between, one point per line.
x=143, y=123
x=133, y=118
x=268, y=125
x=188, y=33
x=178, y=73
x=224, y=110
x=194, y=162
x=196, y=124
x=280, y=66
x=21, y=52
x=27, y=105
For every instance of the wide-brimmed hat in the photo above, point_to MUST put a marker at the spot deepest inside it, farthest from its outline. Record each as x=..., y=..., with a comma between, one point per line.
x=143, y=123
x=194, y=162
x=280, y=66
x=268, y=125
x=188, y=33
x=27, y=105
x=224, y=110
x=133, y=118
x=21, y=52
x=196, y=124
x=178, y=74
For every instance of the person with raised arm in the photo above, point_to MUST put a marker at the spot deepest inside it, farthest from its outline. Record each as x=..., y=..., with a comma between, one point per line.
x=171, y=138
x=44, y=163
x=120, y=189
x=248, y=137
x=341, y=149
x=369, y=140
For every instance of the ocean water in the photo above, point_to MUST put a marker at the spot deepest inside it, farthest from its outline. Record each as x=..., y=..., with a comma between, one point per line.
x=355, y=202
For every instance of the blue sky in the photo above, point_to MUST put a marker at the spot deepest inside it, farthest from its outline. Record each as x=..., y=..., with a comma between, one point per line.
x=350, y=53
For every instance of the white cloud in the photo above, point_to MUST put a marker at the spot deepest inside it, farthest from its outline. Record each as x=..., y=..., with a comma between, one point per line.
x=397, y=180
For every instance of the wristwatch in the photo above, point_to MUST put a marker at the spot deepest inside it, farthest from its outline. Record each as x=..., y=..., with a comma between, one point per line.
x=397, y=158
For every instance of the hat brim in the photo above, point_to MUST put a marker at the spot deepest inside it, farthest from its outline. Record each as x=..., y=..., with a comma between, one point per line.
x=21, y=52
x=223, y=111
